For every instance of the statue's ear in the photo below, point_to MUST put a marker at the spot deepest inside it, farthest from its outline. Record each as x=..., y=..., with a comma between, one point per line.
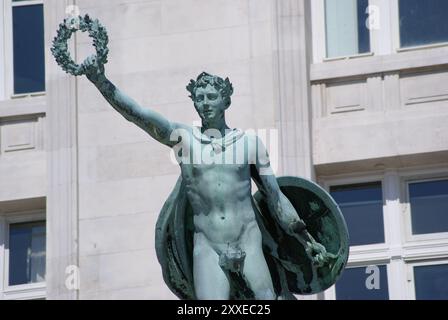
x=228, y=103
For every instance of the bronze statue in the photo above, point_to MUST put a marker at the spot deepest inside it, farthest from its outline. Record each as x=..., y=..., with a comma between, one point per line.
x=214, y=239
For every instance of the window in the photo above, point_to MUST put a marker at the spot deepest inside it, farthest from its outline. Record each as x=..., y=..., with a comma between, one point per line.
x=346, y=29
x=26, y=253
x=28, y=46
x=431, y=282
x=423, y=22
x=362, y=207
x=22, y=48
x=358, y=284
x=429, y=206
x=22, y=255
x=413, y=256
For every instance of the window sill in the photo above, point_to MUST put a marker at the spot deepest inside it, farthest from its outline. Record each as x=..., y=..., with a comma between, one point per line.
x=423, y=47
x=25, y=291
x=28, y=95
x=350, y=57
x=376, y=64
x=372, y=253
x=23, y=106
x=427, y=239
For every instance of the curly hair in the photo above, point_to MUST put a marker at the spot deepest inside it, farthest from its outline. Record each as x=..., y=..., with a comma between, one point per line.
x=223, y=86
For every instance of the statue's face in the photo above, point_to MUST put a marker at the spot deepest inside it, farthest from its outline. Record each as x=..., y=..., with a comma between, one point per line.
x=209, y=103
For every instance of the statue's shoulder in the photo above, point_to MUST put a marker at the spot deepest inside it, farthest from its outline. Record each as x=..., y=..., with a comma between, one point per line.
x=181, y=130
x=185, y=127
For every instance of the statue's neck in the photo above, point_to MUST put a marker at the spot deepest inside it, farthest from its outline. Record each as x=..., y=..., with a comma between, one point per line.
x=220, y=125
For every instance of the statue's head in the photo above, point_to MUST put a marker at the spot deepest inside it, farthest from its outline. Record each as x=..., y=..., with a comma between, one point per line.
x=211, y=95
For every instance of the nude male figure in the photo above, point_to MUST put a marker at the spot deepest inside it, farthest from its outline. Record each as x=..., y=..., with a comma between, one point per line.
x=219, y=193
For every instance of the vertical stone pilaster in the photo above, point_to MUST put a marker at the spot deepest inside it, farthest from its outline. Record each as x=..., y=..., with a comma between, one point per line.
x=293, y=53
x=62, y=164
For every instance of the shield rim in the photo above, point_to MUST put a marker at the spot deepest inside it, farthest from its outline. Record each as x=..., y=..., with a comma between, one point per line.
x=330, y=203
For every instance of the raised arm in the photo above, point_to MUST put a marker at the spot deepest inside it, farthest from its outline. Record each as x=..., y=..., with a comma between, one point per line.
x=152, y=122
x=284, y=211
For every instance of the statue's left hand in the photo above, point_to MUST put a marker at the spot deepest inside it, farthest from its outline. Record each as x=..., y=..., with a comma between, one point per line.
x=317, y=253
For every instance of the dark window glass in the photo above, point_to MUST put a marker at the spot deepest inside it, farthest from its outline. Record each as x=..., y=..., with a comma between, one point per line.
x=423, y=22
x=363, y=32
x=362, y=207
x=28, y=45
x=26, y=253
x=352, y=285
x=431, y=282
x=429, y=206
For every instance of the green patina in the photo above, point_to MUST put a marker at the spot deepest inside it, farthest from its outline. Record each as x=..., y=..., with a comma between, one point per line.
x=214, y=238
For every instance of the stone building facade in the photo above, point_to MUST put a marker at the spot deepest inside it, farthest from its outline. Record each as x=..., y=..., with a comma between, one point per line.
x=361, y=114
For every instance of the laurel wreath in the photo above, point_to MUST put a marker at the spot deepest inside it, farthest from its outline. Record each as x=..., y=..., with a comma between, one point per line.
x=69, y=26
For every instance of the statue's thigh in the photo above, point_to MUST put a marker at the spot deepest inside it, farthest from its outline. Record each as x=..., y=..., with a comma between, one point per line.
x=256, y=269
x=209, y=280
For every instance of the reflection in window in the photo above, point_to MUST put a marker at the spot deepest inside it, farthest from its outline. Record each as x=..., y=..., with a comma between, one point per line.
x=346, y=27
x=431, y=282
x=358, y=284
x=26, y=253
x=362, y=207
x=423, y=22
x=429, y=206
x=28, y=46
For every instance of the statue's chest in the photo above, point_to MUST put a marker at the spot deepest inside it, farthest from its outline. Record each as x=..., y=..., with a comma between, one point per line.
x=211, y=173
x=206, y=156
x=210, y=164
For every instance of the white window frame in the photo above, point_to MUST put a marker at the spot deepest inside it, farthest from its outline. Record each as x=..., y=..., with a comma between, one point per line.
x=377, y=247
x=411, y=277
x=319, y=37
x=395, y=7
x=364, y=255
x=24, y=291
x=7, y=81
x=385, y=41
x=420, y=238
x=401, y=249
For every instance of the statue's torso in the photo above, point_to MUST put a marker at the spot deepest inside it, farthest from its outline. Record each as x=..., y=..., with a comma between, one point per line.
x=218, y=186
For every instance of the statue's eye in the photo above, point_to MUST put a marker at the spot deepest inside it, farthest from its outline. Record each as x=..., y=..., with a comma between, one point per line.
x=199, y=97
x=212, y=96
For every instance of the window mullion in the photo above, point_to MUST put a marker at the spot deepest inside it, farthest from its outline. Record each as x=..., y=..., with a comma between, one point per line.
x=8, y=50
x=392, y=210
x=2, y=256
x=394, y=25
x=382, y=34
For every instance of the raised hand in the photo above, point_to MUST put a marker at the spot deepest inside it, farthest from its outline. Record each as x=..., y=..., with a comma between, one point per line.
x=93, y=69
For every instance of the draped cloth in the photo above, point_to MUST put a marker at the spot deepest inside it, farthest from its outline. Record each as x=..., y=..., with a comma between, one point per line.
x=290, y=267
